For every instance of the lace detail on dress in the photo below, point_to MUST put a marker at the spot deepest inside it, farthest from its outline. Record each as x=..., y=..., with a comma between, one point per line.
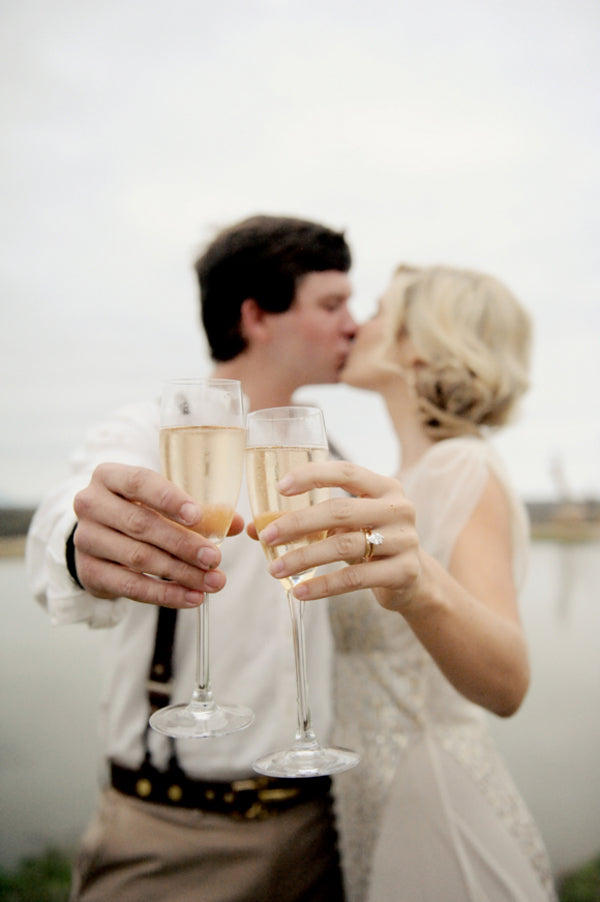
x=474, y=750
x=371, y=727
x=379, y=699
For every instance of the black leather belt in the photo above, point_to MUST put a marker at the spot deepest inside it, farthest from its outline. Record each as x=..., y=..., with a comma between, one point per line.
x=252, y=799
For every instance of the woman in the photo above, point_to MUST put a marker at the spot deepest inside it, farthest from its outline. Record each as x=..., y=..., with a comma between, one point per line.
x=430, y=813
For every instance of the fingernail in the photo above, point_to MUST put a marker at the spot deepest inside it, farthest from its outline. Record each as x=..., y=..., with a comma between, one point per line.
x=189, y=513
x=193, y=599
x=268, y=534
x=301, y=591
x=276, y=568
x=208, y=558
x=213, y=581
x=286, y=482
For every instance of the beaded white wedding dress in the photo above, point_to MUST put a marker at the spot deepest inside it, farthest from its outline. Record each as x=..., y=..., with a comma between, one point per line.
x=431, y=813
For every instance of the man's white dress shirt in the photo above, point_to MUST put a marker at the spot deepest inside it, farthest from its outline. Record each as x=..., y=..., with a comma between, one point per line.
x=251, y=651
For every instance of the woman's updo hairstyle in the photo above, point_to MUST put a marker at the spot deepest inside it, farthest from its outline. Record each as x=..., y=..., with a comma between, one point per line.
x=472, y=338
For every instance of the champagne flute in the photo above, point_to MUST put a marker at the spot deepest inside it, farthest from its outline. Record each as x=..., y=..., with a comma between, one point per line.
x=279, y=439
x=202, y=440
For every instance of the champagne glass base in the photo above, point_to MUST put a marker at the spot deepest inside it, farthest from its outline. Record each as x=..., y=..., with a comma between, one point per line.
x=306, y=762
x=198, y=721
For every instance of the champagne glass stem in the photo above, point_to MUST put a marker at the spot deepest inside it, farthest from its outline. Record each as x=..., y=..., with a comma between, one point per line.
x=202, y=694
x=305, y=737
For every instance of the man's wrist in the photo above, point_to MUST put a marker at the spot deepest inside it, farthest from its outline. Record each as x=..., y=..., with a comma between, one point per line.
x=70, y=557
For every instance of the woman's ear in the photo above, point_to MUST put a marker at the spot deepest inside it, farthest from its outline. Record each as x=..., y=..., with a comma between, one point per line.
x=406, y=352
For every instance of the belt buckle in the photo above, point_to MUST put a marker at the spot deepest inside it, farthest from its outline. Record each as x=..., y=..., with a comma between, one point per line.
x=265, y=798
x=278, y=794
x=267, y=802
x=257, y=811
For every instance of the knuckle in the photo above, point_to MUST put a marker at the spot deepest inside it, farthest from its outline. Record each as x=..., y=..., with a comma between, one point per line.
x=137, y=522
x=85, y=573
x=171, y=596
x=139, y=557
x=410, y=569
x=400, y=510
x=413, y=570
x=89, y=576
x=293, y=519
x=397, y=508
x=348, y=470
x=80, y=537
x=414, y=578
x=341, y=509
x=167, y=498
x=183, y=545
x=130, y=585
x=82, y=503
x=100, y=473
x=350, y=578
x=411, y=539
x=134, y=480
x=188, y=576
x=407, y=509
x=300, y=559
x=345, y=545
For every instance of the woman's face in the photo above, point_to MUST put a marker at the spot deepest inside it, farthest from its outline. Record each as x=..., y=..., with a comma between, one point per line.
x=371, y=362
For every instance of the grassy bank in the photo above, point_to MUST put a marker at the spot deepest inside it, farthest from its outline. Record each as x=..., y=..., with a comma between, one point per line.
x=47, y=879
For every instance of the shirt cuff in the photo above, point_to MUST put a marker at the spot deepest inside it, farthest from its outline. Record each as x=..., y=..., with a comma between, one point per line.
x=66, y=602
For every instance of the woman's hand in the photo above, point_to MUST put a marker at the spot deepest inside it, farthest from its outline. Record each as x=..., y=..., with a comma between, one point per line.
x=378, y=505
x=466, y=617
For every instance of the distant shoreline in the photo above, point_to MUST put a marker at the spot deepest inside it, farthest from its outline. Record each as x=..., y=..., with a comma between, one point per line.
x=12, y=546
x=563, y=531
x=550, y=522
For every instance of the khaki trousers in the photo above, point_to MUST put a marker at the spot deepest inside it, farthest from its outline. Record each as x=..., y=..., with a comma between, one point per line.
x=135, y=851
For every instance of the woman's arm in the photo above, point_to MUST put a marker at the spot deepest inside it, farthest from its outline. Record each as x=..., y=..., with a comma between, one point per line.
x=467, y=616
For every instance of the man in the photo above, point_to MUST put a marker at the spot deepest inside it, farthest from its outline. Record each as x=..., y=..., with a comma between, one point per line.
x=190, y=819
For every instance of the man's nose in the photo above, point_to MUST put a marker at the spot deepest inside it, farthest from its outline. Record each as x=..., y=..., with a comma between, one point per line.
x=350, y=325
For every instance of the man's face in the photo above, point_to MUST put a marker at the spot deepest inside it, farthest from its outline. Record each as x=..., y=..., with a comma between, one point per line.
x=312, y=339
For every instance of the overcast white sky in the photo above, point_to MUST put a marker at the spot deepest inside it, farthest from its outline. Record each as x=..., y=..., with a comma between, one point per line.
x=466, y=133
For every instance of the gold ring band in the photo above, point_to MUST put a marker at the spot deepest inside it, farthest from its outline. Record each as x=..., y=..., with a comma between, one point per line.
x=372, y=539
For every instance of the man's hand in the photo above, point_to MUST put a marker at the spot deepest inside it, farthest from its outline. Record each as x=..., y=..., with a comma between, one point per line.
x=135, y=539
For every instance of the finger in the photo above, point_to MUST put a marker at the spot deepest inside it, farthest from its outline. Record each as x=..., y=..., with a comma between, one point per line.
x=251, y=530
x=342, y=474
x=149, y=488
x=337, y=514
x=143, y=524
x=382, y=573
x=106, y=544
x=108, y=580
x=344, y=547
x=237, y=525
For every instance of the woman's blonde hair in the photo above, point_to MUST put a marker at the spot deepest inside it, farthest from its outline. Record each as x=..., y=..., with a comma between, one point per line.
x=472, y=338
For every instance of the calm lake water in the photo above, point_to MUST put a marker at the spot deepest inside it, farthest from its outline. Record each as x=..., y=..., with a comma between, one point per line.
x=51, y=685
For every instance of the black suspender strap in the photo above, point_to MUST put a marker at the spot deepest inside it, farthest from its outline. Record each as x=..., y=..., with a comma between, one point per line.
x=160, y=678
x=159, y=686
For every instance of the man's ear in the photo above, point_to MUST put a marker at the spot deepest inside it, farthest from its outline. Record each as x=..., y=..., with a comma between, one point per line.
x=254, y=321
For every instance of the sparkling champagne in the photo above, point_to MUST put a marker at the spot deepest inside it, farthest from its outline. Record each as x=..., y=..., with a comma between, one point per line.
x=264, y=468
x=205, y=461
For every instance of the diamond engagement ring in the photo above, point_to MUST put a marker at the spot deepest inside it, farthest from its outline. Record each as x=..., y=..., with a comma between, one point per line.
x=371, y=540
